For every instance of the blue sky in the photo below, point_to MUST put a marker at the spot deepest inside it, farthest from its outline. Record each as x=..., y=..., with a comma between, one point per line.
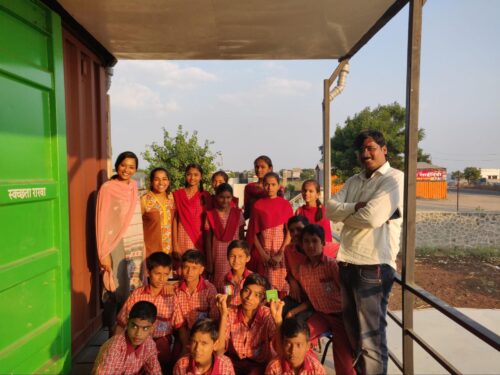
x=250, y=108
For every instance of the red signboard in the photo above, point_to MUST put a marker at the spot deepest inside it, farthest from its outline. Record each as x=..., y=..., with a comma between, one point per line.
x=431, y=174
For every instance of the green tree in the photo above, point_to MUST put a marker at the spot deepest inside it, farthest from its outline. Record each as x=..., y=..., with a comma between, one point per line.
x=472, y=174
x=176, y=152
x=307, y=174
x=456, y=175
x=390, y=120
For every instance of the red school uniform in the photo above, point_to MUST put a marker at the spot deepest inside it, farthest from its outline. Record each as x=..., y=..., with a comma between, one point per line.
x=221, y=365
x=250, y=341
x=311, y=366
x=163, y=328
x=321, y=283
x=164, y=305
x=233, y=289
x=225, y=228
x=118, y=356
x=252, y=193
x=191, y=213
x=193, y=306
x=211, y=203
x=331, y=248
x=269, y=218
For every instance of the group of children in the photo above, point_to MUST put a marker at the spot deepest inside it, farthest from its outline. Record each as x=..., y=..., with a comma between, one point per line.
x=191, y=328
x=253, y=306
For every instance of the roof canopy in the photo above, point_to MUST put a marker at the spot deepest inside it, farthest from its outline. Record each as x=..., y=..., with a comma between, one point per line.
x=231, y=29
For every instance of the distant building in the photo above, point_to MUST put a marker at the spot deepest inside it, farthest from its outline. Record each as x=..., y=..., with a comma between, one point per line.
x=490, y=175
x=292, y=174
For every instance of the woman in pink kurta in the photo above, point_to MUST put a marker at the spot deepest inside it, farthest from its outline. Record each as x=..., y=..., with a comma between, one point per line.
x=268, y=233
x=119, y=235
x=223, y=225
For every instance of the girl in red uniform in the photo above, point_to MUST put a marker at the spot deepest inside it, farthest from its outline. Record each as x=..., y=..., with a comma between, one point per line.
x=269, y=234
x=255, y=190
x=314, y=211
x=190, y=202
x=223, y=225
x=220, y=177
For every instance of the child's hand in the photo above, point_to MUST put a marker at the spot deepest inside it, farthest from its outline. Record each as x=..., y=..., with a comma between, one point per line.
x=221, y=303
x=291, y=313
x=271, y=262
x=168, y=289
x=278, y=257
x=276, y=307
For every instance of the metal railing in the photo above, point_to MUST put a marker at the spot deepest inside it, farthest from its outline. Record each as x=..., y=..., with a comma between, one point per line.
x=478, y=330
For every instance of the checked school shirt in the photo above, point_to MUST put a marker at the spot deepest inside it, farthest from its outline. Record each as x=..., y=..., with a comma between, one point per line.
x=164, y=305
x=250, y=341
x=118, y=356
x=190, y=307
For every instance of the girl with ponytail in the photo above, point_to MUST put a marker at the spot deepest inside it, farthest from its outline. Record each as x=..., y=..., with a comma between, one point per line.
x=315, y=213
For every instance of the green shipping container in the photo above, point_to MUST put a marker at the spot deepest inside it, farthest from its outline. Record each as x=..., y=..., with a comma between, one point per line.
x=34, y=246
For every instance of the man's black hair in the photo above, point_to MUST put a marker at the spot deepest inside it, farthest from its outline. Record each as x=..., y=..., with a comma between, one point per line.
x=377, y=136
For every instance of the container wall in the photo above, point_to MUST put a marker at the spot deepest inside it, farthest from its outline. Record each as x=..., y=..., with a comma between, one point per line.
x=86, y=118
x=34, y=256
x=432, y=189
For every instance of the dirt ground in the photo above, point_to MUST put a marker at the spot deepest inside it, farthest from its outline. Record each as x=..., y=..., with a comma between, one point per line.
x=460, y=282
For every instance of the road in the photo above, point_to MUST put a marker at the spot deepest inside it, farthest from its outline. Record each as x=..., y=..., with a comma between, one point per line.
x=474, y=191
x=469, y=200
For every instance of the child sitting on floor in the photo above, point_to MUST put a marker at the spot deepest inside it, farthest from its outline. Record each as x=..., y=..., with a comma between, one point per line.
x=319, y=278
x=295, y=356
x=195, y=296
x=158, y=266
x=133, y=351
x=202, y=359
x=238, y=256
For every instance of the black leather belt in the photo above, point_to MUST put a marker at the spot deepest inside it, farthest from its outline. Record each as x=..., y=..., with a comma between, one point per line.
x=364, y=266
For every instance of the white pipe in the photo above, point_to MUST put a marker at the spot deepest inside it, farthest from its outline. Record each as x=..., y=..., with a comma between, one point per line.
x=340, y=82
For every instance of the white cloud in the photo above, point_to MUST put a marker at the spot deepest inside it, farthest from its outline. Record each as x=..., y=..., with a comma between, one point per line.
x=138, y=97
x=268, y=87
x=288, y=87
x=166, y=73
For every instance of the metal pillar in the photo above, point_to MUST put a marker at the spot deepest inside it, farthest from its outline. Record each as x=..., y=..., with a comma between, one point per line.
x=411, y=144
x=327, y=152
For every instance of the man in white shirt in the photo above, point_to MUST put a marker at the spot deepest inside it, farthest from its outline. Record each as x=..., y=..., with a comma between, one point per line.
x=370, y=206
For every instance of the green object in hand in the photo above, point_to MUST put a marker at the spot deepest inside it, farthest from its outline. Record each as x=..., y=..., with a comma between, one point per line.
x=272, y=295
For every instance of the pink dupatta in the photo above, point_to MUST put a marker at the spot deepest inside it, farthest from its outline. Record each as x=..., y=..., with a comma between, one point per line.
x=116, y=203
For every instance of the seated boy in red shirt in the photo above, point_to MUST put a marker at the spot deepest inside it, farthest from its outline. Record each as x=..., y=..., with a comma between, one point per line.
x=319, y=278
x=296, y=356
x=250, y=327
x=159, y=265
x=202, y=359
x=238, y=255
x=132, y=351
x=195, y=296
